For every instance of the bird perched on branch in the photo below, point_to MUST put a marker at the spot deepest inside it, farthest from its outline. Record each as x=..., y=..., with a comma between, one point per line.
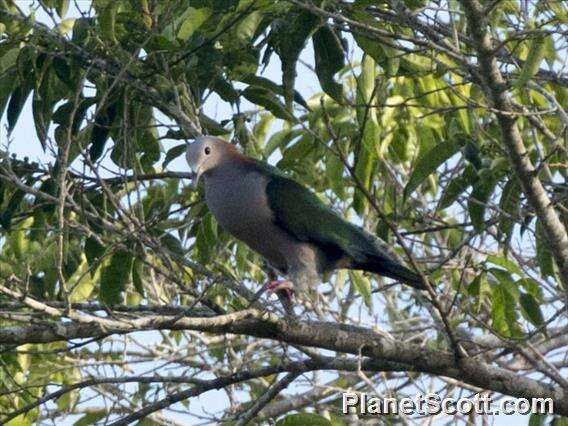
x=285, y=222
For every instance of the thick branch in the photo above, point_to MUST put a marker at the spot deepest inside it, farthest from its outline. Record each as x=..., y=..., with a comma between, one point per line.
x=494, y=87
x=336, y=337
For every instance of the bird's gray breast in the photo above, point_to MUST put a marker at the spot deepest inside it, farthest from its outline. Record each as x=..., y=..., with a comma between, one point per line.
x=237, y=198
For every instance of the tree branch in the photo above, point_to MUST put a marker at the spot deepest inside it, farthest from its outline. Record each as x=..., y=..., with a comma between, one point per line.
x=494, y=87
x=326, y=335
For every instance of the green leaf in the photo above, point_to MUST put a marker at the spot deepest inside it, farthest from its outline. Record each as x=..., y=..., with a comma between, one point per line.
x=9, y=211
x=531, y=286
x=481, y=289
x=534, y=58
x=559, y=421
x=457, y=186
x=25, y=419
x=503, y=312
x=81, y=30
x=107, y=21
x=334, y=168
x=8, y=59
x=329, y=59
x=41, y=117
x=101, y=130
x=428, y=163
x=160, y=43
x=366, y=82
x=536, y=420
x=138, y=276
x=366, y=156
x=261, y=130
x=26, y=63
x=303, y=419
x=370, y=46
x=550, y=52
x=246, y=28
x=206, y=238
x=66, y=26
x=543, y=254
x=81, y=283
x=256, y=80
x=288, y=38
x=298, y=152
x=174, y=245
x=63, y=72
x=62, y=116
x=362, y=286
x=479, y=197
x=6, y=86
x=115, y=276
x=279, y=140
x=414, y=4
x=531, y=309
x=337, y=420
x=505, y=279
x=509, y=205
x=211, y=127
x=365, y=162
x=498, y=306
x=17, y=101
x=471, y=153
x=72, y=260
x=62, y=6
x=265, y=98
x=193, y=19
x=90, y=418
x=225, y=89
x=149, y=145
x=381, y=50
x=505, y=263
x=174, y=153
x=176, y=134
x=94, y=252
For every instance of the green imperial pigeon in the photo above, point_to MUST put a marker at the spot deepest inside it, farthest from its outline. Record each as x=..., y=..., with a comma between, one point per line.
x=283, y=221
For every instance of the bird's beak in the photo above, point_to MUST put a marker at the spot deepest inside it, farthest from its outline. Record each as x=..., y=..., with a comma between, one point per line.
x=194, y=165
x=196, y=176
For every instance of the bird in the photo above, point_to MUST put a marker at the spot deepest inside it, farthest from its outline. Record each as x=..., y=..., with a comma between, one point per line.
x=285, y=222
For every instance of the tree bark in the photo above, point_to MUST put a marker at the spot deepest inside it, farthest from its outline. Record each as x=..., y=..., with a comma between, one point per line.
x=495, y=90
x=327, y=335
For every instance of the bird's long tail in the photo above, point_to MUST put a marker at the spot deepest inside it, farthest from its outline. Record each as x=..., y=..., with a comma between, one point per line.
x=389, y=268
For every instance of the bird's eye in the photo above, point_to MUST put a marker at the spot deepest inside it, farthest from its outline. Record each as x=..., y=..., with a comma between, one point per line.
x=207, y=150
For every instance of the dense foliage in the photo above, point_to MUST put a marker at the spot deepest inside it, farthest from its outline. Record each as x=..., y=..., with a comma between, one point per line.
x=438, y=126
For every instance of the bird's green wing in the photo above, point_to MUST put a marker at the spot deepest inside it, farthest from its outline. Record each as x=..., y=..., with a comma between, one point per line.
x=299, y=212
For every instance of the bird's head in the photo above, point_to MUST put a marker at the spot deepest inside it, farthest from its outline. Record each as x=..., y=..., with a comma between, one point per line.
x=206, y=153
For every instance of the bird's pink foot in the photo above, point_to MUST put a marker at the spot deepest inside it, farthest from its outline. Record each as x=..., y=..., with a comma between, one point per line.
x=277, y=285
x=284, y=286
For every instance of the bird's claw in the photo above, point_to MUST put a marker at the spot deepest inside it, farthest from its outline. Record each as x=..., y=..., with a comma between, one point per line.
x=278, y=285
x=283, y=286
